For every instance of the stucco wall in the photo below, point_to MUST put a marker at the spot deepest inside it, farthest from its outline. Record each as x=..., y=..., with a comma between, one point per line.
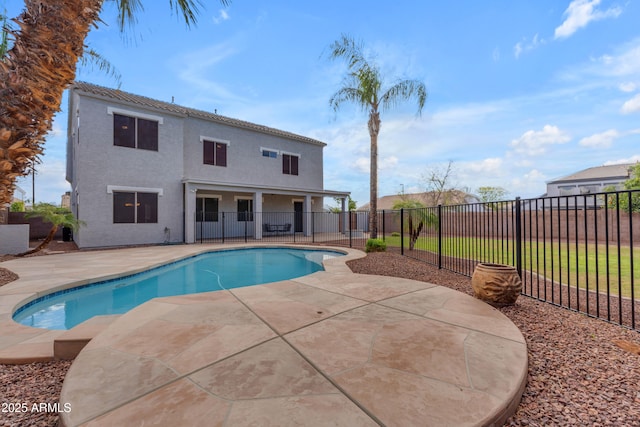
x=14, y=238
x=99, y=164
x=245, y=163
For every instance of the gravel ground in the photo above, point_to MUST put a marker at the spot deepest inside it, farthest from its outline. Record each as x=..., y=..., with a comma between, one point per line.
x=582, y=371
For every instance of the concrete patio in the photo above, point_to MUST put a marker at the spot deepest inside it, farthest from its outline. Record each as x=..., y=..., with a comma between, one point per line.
x=331, y=348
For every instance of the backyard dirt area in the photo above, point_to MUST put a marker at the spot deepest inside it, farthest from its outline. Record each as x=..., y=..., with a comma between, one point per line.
x=582, y=371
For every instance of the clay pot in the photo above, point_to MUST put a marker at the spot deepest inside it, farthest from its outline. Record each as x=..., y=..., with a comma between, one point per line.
x=496, y=284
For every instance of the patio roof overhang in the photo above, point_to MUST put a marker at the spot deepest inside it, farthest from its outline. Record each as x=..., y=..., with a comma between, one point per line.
x=243, y=188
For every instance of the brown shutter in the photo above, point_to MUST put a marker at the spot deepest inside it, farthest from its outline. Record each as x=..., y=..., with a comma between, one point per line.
x=286, y=164
x=208, y=147
x=221, y=154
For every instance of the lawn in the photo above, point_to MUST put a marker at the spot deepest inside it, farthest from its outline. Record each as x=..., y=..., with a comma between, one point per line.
x=566, y=262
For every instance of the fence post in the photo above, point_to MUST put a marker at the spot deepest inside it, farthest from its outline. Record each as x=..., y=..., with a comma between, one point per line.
x=350, y=227
x=439, y=237
x=518, y=233
x=383, y=227
x=401, y=231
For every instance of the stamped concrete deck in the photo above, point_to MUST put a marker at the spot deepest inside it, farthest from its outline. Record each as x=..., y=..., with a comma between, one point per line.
x=331, y=348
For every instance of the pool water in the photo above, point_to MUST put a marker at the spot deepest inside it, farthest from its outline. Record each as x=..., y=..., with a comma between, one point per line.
x=211, y=271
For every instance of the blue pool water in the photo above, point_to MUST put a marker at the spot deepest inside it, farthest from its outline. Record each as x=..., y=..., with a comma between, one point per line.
x=212, y=271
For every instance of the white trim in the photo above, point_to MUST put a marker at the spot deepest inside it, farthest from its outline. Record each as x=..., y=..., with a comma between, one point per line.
x=236, y=198
x=273, y=150
x=111, y=110
x=291, y=154
x=212, y=139
x=297, y=200
x=209, y=196
x=112, y=188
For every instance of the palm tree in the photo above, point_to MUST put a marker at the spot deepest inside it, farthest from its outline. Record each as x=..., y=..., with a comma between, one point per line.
x=41, y=64
x=55, y=216
x=363, y=86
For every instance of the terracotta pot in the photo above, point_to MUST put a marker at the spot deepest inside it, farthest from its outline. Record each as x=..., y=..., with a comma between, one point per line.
x=496, y=284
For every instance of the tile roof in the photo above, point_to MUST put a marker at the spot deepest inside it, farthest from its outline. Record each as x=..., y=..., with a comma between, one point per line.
x=143, y=101
x=428, y=199
x=620, y=171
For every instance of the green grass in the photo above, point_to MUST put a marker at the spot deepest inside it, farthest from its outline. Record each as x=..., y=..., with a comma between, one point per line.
x=566, y=263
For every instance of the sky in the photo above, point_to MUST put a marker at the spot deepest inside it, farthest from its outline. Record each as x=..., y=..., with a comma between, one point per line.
x=519, y=92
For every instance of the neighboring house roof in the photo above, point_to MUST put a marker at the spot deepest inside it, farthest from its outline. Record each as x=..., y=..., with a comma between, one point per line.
x=452, y=197
x=143, y=101
x=609, y=172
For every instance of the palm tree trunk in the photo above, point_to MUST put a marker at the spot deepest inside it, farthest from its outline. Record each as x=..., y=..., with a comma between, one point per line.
x=374, y=130
x=33, y=76
x=44, y=244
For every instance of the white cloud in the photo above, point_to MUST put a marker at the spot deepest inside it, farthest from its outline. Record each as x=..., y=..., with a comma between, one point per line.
x=631, y=106
x=525, y=45
x=388, y=162
x=496, y=54
x=627, y=87
x=362, y=164
x=221, y=17
x=535, y=143
x=633, y=159
x=488, y=166
x=600, y=140
x=580, y=13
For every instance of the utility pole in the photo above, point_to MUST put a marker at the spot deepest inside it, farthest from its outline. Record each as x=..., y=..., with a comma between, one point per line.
x=33, y=185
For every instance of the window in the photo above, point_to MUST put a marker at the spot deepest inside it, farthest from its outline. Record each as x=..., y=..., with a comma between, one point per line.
x=135, y=207
x=215, y=153
x=289, y=164
x=206, y=209
x=245, y=210
x=269, y=153
x=135, y=132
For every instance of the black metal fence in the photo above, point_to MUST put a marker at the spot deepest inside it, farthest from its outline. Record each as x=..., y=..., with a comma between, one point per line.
x=341, y=229
x=574, y=251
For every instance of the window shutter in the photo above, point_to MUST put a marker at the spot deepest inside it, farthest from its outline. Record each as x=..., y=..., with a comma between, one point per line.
x=221, y=154
x=286, y=160
x=208, y=148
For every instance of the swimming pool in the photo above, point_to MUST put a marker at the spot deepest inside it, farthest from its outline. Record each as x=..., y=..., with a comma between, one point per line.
x=207, y=272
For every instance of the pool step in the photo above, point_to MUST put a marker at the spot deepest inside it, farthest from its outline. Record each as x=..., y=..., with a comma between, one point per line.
x=70, y=343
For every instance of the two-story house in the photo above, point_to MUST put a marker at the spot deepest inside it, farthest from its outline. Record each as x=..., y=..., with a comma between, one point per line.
x=582, y=187
x=592, y=180
x=145, y=171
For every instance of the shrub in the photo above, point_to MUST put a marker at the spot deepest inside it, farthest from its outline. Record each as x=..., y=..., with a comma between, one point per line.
x=395, y=234
x=376, y=245
x=17, y=207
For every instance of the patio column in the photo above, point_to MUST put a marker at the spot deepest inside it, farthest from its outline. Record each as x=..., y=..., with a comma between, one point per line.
x=257, y=215
x=308, y=215
x=189, y=213
x=345, y=215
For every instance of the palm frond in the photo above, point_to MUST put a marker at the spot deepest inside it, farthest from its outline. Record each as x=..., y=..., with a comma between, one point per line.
x=91, y=57
x=4, y=38
x=348, y=49
x=402, y=91
x=127, y=12
x=189, y=9
x=346, y=94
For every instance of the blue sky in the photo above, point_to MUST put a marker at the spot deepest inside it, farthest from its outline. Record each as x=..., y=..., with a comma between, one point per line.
x=520, y=92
